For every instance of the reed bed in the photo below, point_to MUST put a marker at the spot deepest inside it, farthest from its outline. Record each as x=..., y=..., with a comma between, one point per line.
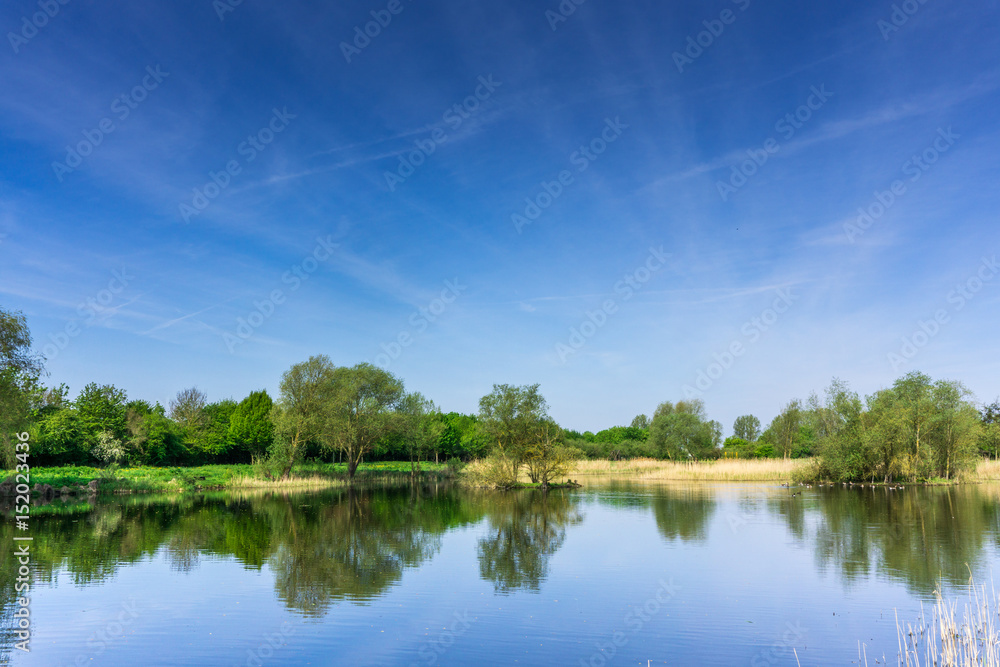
x=311, y=482
x=988, y=470
x=948, y=641
x=725, y=470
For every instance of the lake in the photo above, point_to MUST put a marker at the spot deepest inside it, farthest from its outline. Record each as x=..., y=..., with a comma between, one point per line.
x=614, y=573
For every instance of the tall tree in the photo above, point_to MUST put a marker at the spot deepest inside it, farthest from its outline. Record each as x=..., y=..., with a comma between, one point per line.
x=300, y=414
x=683, y=434
x=640, y=421
x=747, y=428
x=989, y=440
x=420, y=427
x=785, y=427
x=250, y=427
x=188, y=409
x=361, y=410
x=512, y=417
x=20, y=369
x=102, y=410
x=956, y=428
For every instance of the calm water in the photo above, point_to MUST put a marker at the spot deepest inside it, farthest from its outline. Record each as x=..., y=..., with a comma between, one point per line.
x=614, y=574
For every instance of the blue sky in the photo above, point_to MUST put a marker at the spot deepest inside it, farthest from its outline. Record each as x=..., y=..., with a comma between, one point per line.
x=616, y=139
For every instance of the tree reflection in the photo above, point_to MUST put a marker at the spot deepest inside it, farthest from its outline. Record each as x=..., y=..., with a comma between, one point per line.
x=921, y=536
x=525, y=529
x=683, y=512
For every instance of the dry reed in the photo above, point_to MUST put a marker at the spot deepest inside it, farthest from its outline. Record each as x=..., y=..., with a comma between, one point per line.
x=725, y=470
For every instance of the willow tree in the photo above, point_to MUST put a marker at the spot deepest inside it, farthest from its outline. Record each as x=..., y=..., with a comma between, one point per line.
x=362, y=410
x=512, y=418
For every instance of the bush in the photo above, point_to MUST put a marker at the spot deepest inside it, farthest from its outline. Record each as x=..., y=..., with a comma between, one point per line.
x=765, y=451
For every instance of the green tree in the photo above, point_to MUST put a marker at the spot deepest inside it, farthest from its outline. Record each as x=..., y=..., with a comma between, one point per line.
x=956, y=429
x=419, y=427
x=300, y=415
x=102, y=410
x=153, y=438
x=785, y=428
x=640, y=421
x=20, y=369
x=250, y=427
x=512, y=418
x=361, y=410
x=213, y=441
x=61, y=438
x=747, y=428
x=188, y=409
x=680, y=431
x=989, y=439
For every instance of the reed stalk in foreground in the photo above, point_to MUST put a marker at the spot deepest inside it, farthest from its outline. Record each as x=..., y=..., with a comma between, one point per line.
x=949, y=642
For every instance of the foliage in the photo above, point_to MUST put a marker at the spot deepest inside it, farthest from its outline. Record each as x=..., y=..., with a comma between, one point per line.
x=747, y=428
x=680, y=432
x=20, y=370
x=360, y=410
x=251, y=430
x=109, y=449
x=102, y=410
x=916, y=430
x=299, y=415
x=547, y=458
x=188, y=409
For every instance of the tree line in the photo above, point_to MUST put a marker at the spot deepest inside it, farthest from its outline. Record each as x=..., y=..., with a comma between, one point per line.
x=917, y=429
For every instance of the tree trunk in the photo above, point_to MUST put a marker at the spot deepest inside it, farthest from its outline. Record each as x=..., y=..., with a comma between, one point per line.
x=352, y=467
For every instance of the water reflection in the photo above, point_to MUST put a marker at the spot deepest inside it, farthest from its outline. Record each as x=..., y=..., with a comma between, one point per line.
x=921, y=536
x=525, y=529
x=353, y=545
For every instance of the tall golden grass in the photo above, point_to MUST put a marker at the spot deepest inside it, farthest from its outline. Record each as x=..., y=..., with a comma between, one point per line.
x=988, y=470
x=311, y=482
x=725, y=470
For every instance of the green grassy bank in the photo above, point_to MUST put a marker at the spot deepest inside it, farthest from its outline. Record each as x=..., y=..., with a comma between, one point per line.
x=149, y=479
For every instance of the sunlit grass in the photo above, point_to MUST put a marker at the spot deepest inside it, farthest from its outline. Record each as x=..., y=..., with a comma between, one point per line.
x=988, y=470
x=726, y=470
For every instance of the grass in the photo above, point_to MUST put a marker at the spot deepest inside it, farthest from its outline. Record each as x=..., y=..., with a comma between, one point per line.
x=726, y=470
x=151, y=479
x=988, y=470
